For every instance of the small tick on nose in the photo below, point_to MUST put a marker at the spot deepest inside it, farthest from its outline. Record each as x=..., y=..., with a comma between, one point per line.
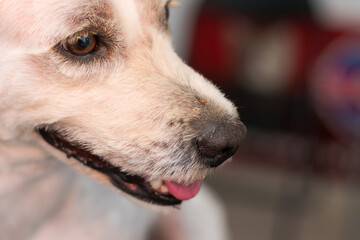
x=203, y=100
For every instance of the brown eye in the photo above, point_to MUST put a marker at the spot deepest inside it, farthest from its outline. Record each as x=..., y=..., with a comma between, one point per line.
x=81, y=44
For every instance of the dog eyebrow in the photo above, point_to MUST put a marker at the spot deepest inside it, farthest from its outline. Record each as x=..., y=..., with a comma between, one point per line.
x=104, y=12
x=95, y=16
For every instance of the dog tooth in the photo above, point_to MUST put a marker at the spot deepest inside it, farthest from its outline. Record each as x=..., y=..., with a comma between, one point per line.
x=156, y=183
x=164, y=189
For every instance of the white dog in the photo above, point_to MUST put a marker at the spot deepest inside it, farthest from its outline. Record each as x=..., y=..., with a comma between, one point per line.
x=97, y=85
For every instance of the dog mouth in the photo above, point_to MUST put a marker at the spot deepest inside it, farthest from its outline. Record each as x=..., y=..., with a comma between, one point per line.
x=159, y=192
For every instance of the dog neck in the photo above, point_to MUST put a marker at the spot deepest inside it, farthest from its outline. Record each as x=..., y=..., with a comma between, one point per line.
x=30, y=188
x=44, y=196
x=21, y=164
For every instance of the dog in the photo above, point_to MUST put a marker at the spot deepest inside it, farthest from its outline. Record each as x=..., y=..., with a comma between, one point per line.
x=95, y=87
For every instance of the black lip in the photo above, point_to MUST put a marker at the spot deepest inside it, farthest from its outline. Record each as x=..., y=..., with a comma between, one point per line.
x=140, y=190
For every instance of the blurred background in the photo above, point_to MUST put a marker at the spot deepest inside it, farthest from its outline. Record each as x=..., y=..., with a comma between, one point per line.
x=293, y=69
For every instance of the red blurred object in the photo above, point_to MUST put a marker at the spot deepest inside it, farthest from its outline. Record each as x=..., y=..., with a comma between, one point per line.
x=211, y=52
x=220, y=41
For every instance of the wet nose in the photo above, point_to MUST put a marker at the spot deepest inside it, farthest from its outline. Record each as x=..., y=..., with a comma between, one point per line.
x=219, y=141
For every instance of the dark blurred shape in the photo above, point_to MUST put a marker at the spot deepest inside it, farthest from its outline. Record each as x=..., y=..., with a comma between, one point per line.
x=264, y=8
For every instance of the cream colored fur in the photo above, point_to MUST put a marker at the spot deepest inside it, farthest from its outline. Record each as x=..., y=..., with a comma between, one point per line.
x=133, y=106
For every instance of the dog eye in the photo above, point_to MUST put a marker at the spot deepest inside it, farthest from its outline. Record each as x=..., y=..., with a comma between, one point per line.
x=81, y=44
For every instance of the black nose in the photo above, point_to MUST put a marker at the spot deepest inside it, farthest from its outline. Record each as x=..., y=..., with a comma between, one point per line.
x=219, y=141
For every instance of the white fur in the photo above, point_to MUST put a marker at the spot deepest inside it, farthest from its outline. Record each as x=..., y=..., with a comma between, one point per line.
x=120, y=107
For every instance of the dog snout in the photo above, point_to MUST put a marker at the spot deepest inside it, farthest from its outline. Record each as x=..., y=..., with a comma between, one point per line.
x=219, y=141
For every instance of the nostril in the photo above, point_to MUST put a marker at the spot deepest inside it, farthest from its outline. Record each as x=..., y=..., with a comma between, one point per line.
x=227, y=151
x=206, y=148
x=214, y=158
x=218, y=142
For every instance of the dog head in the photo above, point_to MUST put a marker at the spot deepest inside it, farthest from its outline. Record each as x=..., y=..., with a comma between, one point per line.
x=100, y=81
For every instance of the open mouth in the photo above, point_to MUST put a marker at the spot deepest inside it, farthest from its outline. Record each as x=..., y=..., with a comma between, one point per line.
x=165, y=193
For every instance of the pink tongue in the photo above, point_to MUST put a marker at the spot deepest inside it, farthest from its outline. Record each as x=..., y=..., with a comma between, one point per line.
x=181, y=191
